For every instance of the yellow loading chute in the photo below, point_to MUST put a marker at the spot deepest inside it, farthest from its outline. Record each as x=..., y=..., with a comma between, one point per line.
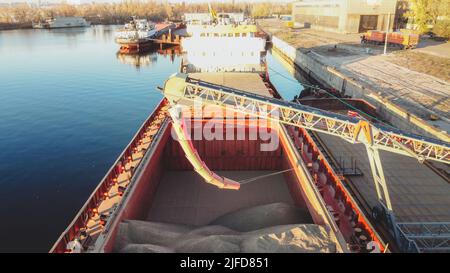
x=193, y=157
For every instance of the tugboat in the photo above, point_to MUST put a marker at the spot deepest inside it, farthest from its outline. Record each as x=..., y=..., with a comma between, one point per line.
x=135, y=36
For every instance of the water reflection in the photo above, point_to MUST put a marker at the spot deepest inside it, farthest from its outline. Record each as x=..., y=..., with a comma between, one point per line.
x=137, y=60
x=284, y=76
x=71, y=35
x=171, y=52
x=147, y=59
x=70, y=32
x=106, y=33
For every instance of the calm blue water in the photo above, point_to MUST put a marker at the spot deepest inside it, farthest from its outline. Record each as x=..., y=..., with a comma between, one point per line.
x=68, y=106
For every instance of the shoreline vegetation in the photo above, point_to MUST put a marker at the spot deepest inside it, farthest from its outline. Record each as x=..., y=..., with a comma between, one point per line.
x=23, y=15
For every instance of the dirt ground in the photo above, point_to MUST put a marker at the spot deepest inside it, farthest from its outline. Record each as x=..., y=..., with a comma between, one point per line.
x=423, y=63
x=304, y=38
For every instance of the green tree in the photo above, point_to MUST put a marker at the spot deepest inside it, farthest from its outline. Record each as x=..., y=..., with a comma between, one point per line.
x=428, y=12
x=442, y=28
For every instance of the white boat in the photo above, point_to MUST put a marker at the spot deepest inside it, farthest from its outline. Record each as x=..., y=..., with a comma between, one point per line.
x=62, y=22
x=223, y=46
x=135, y=30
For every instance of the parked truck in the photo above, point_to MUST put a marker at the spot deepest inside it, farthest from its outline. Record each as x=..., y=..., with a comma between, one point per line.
x=403, y=40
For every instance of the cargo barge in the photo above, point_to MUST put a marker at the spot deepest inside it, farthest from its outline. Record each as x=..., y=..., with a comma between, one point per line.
x=152, y=192
x=152, y=181
x=267, y=182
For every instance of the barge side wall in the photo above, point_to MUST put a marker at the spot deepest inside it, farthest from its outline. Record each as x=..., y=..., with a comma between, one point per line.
x=143, y=190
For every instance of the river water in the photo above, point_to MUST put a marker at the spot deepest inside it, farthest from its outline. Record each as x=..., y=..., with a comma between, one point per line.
x=69, y=104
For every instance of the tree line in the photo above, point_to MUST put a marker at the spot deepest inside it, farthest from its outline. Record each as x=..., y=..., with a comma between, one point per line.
x=431, y=15
x=120, y=13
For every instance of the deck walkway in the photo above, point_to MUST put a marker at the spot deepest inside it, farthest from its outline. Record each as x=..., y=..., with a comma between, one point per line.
x=94, y=226
x=250, y=82
x=417, y=193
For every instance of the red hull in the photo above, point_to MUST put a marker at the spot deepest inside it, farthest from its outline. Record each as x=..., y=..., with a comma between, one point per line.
x=135, y=48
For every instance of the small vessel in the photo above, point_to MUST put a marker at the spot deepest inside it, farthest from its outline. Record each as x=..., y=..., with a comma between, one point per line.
x=62, y=22
x=137, y=35
x=136, y=29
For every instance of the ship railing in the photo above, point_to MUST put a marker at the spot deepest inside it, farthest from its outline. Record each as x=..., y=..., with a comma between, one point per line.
x=190, y=68
x=79, y=223
x=114, y=213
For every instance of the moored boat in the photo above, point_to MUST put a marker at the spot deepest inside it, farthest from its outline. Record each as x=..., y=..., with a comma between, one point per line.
x=137, y=35
x=62, y=22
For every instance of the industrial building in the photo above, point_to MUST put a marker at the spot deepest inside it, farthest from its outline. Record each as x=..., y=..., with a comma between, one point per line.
x=345, y=16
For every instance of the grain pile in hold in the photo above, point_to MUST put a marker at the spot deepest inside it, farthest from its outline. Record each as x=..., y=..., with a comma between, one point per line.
x=276, y=227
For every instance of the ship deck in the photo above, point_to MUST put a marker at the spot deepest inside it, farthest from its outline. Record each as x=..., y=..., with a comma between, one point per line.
x=417, y=193
x=250, y=82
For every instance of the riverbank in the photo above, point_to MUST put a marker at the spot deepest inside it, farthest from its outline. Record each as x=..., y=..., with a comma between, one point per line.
x=11, y=26
x=409, y=99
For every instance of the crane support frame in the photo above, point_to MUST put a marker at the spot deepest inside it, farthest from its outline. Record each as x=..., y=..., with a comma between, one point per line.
x=426, y=236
